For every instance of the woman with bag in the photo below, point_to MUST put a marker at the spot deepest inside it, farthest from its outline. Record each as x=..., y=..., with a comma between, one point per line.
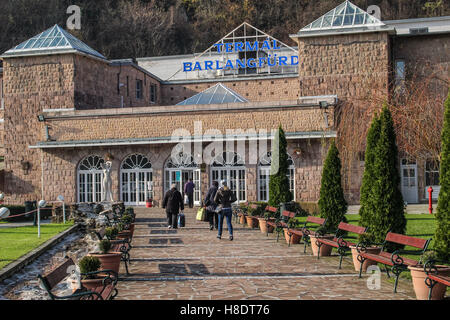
x=210, y=206
x=224, y=198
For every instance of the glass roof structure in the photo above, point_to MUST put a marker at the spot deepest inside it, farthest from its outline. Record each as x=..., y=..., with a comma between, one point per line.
x=346, y=15
x=217, y=94
x=53, y=40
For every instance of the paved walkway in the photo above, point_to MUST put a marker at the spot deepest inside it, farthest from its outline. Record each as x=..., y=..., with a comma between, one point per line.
x=190, y=263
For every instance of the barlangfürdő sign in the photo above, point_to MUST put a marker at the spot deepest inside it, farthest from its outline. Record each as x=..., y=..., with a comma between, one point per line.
x=270, y=60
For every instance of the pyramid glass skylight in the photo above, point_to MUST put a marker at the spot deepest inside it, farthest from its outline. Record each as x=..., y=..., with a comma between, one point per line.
x=217, y=94
x=346, y=15
x=54, y=39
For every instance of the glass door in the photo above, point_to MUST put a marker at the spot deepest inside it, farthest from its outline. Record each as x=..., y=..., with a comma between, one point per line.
x=409, y=181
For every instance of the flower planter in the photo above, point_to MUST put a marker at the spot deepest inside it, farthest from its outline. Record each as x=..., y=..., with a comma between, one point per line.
x=92, y=284
x=109, y=261
x=295, y=238
x=325, y=250
x=252, y=223
x=242, y=219
x=264, y=227
x=126, y=234
x=418, y=276
x=131, y=229
x=367, y=262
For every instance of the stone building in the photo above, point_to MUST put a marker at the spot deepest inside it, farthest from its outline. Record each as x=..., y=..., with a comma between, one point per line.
x=66, y=109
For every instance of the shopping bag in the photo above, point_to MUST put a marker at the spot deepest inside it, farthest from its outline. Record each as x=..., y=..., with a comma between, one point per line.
x=201, y=213
x=186, y=199
x=181, y=220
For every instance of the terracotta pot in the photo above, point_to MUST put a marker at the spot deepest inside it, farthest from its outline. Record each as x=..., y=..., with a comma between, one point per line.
x=252, y=223
x=109, y=261
x=325, y=250
x=367, y=262
x=91, y=284
x=295, y=238
x=242, y=219
x=418, y=276
x=124, y=234
x=131, y=229
x=264, y=227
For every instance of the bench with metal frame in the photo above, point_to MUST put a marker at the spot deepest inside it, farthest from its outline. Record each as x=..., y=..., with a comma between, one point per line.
x=305, y=232
x=281, y=222
x=270, y=222
x=433, y=277
x=338, y=241
x=107, y=291
x=397, y=263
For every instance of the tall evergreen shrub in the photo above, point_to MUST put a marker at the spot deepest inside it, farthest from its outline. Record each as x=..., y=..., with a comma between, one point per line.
x=279, y=181
x=442, y=234
x=332, y=203
x=385, y=201
x=369, y=169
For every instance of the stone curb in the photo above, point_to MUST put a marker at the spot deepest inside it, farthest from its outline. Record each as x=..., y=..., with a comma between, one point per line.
x=28, y=258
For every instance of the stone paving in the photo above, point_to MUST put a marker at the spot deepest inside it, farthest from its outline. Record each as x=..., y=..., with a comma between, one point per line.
x=191, y=263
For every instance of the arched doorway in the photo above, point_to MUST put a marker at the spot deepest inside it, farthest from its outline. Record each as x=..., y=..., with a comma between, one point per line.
x=179, y=170
x=136, y=177
x=89, y=179
x=230, y=166
x=264, y=176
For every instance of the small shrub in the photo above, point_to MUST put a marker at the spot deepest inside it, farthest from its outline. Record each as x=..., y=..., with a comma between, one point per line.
x=111, y=233
x=89, y=264
x=258, y=211
x=292, y=223
x=129, y=211
x=366, y=238
x=126, y=219
x=104, y=246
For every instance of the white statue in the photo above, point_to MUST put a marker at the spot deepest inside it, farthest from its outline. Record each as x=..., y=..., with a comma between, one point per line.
x=107, y=182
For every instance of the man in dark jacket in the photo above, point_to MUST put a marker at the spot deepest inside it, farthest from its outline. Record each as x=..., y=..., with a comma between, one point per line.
x=189, y=188
x=173, y=202
x=211, y=206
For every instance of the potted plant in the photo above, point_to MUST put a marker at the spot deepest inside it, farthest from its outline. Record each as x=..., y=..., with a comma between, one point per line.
x=127, y=221
x=263, y=226
x=419, y=274
x=130, y=211
x=325, y=250
x=89, y=265
x=123, y=234
x=109, y=260
x=111, y=233
x=294, y=238
x=365, y=239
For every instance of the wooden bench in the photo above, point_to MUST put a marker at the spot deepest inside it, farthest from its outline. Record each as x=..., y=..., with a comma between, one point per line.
x=121, y=245
x=338, y=240
x=305, y=232
x=433, y=277
x=270, y=223
x=397, y=263
x=107, y=291
x=281, y=222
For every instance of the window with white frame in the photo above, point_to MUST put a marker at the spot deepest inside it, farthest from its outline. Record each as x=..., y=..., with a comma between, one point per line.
x=89, y=178
x=264, y=165
x=230, y=167
x=136, y=180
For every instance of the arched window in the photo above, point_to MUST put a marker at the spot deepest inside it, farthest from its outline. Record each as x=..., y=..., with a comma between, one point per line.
x=89, y=177
x=178, y=170
x=231, y=167
x=136, y=177
x=264, y=176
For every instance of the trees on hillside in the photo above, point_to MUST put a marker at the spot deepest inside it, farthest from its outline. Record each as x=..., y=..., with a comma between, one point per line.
x=442, y=234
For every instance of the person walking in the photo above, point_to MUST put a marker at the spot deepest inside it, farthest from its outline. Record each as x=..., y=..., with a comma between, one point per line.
x=189, y=191
x=224, y=198
x=173, y=202
x=210, y=206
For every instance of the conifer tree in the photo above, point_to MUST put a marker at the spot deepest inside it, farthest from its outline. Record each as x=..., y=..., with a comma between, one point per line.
x=385, y=201
x=332, y=203
x=369, y=175
x=442, y=234
x=279, y=182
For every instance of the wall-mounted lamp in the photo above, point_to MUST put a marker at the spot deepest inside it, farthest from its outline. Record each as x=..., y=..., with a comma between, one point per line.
x=41, y=118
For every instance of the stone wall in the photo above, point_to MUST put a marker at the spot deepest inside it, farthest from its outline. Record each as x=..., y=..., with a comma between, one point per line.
x=96, y=85
x=269, y=89
x=96, y=127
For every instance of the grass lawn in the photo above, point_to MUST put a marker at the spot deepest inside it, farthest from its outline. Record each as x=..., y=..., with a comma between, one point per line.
x=15, y=242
